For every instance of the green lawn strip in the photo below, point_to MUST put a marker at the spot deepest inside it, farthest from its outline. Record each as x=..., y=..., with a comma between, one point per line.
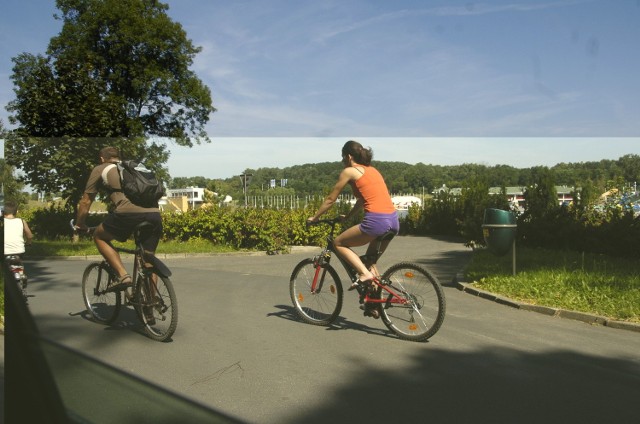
x=589, y=283
x=87, y=247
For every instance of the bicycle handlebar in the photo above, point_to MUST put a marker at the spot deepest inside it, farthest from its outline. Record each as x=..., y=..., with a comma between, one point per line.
x=77, y=230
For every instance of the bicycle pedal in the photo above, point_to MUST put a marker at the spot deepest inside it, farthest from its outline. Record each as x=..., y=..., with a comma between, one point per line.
x=370, y=311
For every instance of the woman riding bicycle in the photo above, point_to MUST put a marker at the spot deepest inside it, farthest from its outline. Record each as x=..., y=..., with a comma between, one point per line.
x=371, y=192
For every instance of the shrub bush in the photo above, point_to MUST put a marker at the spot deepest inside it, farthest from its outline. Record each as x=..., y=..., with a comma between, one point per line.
x=613, y=231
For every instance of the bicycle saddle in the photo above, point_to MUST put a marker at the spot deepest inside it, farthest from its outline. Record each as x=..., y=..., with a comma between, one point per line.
x=13, y=260
x=386, y=236
x=143, y=224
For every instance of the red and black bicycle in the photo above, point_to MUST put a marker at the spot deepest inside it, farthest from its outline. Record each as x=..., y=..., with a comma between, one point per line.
x=407, y=297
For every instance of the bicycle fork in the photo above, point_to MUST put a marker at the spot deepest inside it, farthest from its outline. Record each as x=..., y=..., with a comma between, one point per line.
x=319, y=273
x=318, y=279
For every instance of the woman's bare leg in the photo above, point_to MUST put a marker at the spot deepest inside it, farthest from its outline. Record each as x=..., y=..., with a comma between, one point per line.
x=353, y=237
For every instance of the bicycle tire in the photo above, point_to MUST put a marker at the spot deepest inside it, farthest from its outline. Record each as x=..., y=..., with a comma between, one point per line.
x=22, y=286
x=423, y=314
x=103, y=306
x=323, y=306
x=157, y=310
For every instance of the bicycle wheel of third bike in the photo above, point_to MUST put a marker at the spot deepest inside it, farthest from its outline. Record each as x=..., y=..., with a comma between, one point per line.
x=422, y=312
x=103, y=306
x=157, y=308
x=318, y=304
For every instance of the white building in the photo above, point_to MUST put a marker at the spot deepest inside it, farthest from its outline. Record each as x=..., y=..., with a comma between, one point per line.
x=194, y=195
x=402, y=203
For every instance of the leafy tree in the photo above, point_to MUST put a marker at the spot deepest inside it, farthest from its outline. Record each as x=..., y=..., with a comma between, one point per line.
x=118, y=73
x=586, y=197
x=183, y=182
x=630, y=166
x=474, y=199
x=541, y=197
x=11, y=187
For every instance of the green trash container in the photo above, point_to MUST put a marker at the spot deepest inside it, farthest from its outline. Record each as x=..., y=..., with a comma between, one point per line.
x=499, y=230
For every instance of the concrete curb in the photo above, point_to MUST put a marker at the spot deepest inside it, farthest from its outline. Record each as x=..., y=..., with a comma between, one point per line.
x=545, y=310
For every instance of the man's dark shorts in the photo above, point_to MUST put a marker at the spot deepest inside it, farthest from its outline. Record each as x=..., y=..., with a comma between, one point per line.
x=121, y=226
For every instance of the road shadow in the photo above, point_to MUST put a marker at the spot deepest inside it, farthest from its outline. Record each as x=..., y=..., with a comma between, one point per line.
x=340, y=324
x=486, y=386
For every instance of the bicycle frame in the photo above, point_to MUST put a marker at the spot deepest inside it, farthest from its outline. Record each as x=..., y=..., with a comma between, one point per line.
x=140, y=258
x=151, y=293
x=407, y=297
x=364, y=292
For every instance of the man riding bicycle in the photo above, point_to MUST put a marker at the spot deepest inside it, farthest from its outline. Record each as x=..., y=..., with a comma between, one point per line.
x=123, y=215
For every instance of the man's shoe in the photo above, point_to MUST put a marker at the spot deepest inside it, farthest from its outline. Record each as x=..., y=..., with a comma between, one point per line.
x=360, y=283
x=124, y=283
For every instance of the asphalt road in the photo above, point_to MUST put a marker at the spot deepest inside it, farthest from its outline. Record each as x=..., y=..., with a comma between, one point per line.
x=240, y=349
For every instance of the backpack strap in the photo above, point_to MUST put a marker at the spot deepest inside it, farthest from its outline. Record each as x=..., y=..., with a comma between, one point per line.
x=105, y=180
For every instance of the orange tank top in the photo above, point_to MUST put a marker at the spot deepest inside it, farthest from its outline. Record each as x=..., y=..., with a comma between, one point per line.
x=371, y=188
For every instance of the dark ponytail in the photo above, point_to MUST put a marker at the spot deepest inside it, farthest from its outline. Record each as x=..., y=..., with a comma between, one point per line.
x=360, y=154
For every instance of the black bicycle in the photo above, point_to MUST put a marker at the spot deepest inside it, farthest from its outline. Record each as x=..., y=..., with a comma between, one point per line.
x=152, y=295
x=407, y=297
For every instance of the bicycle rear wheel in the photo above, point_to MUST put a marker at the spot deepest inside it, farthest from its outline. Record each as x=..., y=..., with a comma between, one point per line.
x=103, y=306
x=322, y=305
x=419, y=312
x=157, y=307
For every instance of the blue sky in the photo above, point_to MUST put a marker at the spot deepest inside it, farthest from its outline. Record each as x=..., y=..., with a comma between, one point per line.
x=523, y=83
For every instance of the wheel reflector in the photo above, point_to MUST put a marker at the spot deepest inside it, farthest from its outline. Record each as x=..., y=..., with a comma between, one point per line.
x=300, y=297
x=332, y=289
x=409, y=274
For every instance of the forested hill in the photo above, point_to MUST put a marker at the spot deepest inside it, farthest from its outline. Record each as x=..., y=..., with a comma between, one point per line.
x=402, y=177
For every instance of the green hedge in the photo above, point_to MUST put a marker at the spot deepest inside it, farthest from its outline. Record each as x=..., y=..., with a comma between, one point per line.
x=612, y=231
x=272, y=230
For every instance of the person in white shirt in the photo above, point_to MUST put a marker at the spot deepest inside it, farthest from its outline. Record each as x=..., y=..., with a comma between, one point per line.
x=17, y=233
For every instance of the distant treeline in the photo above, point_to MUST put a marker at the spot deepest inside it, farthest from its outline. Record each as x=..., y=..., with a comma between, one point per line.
x=310, y=179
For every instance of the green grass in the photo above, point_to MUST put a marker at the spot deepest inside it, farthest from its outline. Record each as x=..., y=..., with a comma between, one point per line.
x=87, y=247
x=591, y=283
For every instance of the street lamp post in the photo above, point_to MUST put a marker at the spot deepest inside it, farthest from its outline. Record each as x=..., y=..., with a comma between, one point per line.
x=245, y=180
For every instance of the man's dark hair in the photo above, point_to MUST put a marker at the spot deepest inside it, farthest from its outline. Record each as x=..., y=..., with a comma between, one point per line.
x=10, y=208
x=108, y=153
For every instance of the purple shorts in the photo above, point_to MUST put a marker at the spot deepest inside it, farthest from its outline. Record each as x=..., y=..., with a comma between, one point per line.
x=376, y=224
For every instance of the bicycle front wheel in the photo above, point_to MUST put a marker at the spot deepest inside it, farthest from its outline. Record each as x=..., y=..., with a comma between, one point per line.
x=103, y=306
x=157, y=307
x=418, y=311
x=316, y=292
